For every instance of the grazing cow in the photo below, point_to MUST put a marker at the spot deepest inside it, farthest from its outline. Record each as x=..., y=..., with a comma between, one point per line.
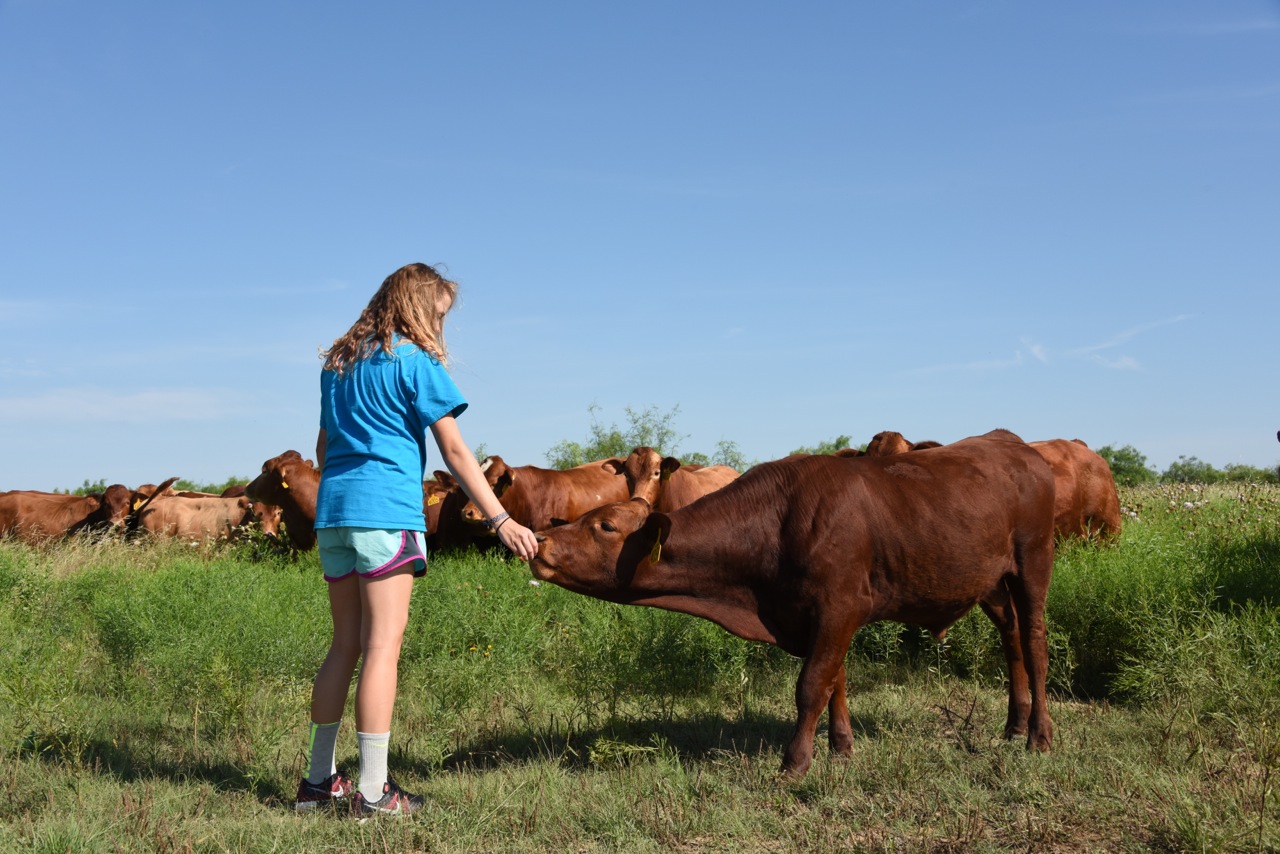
x=196, y=517
x=442, y=504
x=541, y=498
x=802, y=552
x=266, y=515
x=37, y=517
x=290, y=483
x=1087, y=504
x=663, y=482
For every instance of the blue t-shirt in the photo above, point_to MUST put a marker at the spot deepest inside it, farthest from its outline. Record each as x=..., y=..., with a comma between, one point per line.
x=376, y=419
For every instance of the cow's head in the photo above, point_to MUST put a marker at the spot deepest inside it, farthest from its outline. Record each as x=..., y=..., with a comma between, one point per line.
x=598, y=553
x=886, y=444
x=645, y=470
x=267, y=517
x=279, y=475
x=500, y=478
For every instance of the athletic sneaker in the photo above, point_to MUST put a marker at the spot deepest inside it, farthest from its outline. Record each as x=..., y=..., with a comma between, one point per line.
x=335, y=789
x=392, y=801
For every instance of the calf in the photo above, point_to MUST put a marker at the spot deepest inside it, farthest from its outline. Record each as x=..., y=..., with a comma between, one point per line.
x=663, y=482
x=198, y=517
x=802, y=552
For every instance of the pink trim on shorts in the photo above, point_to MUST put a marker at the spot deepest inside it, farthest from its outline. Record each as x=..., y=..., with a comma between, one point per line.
x=399, y=560
x=342, y=577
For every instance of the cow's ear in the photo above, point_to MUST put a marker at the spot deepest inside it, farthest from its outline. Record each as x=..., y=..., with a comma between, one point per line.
x=504, y=482
x=658, y=526
x=669, y=465
x=614, y=465
x=444, y=479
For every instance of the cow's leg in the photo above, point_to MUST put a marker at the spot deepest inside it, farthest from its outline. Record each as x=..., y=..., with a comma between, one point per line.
x=999, y=607
x=839, y=728
x=822, y=667
x=1029, y=594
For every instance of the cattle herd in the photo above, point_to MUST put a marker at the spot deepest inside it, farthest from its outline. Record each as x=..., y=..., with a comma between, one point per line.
x=798, y=552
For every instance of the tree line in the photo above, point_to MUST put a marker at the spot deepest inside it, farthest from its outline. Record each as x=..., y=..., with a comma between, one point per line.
x=656, y=429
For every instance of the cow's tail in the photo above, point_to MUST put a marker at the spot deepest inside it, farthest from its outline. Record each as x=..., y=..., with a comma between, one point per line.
x=131, y=520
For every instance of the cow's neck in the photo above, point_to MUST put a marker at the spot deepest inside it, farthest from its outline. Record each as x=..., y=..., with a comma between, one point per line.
x=719, y=581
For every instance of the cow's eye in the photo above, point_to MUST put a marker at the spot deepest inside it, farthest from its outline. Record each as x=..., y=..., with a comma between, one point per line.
x=607, y=526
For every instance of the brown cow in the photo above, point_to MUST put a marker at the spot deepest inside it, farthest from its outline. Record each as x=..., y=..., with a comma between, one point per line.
x=887, y=442
x=37, y=517
x=196, y=517
x=290, y=483
x=443, y=501
x=663, y=482
x=541, y=498
x=802, y=552
x=1087, y=504
x=267, y=516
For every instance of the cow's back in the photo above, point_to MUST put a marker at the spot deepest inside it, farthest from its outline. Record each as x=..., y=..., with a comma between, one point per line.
x=687, y=484
x=921, y=536
x=196, y=518
x=35, y=517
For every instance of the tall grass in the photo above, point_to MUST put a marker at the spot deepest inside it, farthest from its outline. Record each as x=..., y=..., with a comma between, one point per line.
x=154, y=698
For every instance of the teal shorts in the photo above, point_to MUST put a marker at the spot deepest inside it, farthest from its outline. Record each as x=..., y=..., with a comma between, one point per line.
x=370, y=552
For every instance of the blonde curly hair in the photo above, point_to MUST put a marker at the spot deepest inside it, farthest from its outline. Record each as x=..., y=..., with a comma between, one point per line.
x=406, y=304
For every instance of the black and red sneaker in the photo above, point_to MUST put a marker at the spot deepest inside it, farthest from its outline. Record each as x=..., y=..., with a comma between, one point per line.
x=393, y=801
x=334, y=789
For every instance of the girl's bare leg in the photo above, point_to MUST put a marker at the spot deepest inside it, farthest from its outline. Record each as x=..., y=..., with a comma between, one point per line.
x=333, y=681
x=385, y=614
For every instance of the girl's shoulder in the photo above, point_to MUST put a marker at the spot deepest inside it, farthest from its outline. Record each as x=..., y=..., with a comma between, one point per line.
x=410, y=350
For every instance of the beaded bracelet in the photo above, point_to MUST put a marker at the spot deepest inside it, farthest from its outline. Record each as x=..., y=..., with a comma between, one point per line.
x=496, y=522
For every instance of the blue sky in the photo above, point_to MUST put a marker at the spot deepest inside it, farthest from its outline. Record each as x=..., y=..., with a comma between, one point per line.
x=791, y=221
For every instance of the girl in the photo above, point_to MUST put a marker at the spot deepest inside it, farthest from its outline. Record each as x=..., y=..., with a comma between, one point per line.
x=383, y=386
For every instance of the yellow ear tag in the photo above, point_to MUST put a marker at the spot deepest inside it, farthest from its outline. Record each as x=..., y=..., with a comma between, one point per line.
x=137, y=502
x=656, y=554
x=435, y=499
x=284, y=485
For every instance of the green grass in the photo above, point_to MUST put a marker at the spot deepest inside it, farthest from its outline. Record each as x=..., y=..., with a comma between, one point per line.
x=154, y=698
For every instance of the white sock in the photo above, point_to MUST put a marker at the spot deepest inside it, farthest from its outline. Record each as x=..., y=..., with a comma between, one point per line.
x=320, y=750
x=373, y=763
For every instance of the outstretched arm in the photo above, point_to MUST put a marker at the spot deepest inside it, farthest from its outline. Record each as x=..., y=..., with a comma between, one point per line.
x=464, y=468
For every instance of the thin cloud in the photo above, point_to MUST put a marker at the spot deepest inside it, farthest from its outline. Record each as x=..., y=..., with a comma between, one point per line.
x=981, y=366
x=1211, y=94
x=1213, y=29
x=328, y=287
x=148, y=406
x=1239, y=27
x=1128, y=335
x=22, y=313
x=1124, y=363
x=1036, y=350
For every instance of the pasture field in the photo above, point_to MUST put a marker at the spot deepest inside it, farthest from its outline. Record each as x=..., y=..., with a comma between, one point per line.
x=154, y=698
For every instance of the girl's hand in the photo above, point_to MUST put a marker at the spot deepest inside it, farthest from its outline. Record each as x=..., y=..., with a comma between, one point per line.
x=519, y=539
